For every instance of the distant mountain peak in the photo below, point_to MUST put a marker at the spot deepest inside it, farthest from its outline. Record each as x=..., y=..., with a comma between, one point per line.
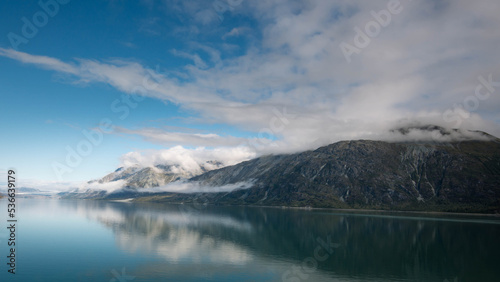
x=137, y=176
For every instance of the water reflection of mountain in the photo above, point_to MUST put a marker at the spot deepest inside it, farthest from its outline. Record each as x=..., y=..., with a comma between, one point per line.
x=379, y=247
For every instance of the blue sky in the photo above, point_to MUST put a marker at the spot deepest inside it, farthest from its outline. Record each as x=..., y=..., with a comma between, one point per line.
x=47, y=112
x=233, y=79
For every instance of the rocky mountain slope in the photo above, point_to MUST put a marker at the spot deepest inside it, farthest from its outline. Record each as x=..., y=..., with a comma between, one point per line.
x=136, y=177
x=457, y=176
x=418, y=175
x=143, y=177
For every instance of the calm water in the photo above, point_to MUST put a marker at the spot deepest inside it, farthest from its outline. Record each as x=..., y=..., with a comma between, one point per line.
x=111, y=241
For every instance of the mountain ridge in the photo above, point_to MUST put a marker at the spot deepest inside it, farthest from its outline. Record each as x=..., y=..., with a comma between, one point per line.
x=462, y=176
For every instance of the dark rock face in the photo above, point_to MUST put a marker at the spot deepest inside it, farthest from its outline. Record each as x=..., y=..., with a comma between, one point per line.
x=461, y=176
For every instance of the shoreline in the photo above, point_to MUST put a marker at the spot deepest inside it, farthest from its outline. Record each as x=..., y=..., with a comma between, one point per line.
x=380, y=211
x=371, y=211
x=351, y=210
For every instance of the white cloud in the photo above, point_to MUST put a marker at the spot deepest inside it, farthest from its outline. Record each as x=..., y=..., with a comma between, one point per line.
x=49, y=186
x=169, y=138
x=235, y=32
x=193, y=57
x=64, y=186
x=41, y=61
x=109, y=187
x=196, y=187
x=188, y=160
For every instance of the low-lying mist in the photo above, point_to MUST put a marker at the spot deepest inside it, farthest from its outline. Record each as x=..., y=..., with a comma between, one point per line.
x=181, y=186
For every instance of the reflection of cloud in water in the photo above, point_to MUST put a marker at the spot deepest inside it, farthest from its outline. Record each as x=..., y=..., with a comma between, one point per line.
x=183, y=245
x=187, y=242
x=172, y=235
x=111, y=216
x=104, y=214
x=198, y=218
